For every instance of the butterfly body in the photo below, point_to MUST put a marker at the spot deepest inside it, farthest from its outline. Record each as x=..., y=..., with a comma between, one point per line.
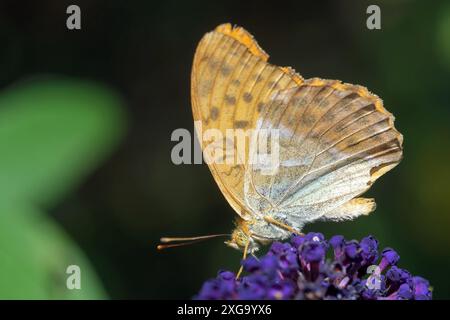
x=333, y=139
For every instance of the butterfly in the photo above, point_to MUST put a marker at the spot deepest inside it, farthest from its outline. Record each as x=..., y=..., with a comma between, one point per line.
x=334, y=139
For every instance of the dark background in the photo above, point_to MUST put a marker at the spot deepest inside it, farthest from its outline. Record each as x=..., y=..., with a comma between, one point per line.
x=142, y=52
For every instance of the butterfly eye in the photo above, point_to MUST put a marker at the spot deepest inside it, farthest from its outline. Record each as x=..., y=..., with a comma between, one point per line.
x=239, y=238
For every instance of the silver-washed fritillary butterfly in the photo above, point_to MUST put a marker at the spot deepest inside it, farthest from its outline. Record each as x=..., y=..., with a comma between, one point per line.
x=335, y=139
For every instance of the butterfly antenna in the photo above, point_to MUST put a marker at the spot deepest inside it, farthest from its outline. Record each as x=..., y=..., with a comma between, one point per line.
x=184, y=241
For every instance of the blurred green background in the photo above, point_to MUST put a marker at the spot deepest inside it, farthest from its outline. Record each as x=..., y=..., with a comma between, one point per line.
x=86, y=118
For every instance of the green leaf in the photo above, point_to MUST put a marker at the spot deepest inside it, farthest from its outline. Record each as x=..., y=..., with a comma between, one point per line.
x=53, y=132
x=34, y=257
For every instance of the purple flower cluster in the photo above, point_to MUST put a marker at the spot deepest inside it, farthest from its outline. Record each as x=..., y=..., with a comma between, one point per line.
x=300, y=270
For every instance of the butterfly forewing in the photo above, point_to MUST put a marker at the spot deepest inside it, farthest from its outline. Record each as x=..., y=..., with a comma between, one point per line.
x=231, y=84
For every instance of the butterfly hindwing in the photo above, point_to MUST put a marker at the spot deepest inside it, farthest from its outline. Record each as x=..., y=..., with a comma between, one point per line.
x=335, y=141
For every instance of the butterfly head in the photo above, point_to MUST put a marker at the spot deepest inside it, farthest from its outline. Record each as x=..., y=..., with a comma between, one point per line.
x=241, y=238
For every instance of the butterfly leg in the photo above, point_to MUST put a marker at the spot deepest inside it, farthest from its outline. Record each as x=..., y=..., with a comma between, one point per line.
x=254, y=256
x=244, y=256
x=273, y=221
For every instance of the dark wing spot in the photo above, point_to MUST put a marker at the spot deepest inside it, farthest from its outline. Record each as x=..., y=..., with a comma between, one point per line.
x=271, y=84
x=230, y=100
x=236, y=82
x=258, y=78
x=214, y=114
x=240, y=124
x=260, y=106
x=225, y=70
x=247, y=97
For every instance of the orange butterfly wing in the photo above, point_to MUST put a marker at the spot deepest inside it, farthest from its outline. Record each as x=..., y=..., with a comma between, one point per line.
x=231, y=82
